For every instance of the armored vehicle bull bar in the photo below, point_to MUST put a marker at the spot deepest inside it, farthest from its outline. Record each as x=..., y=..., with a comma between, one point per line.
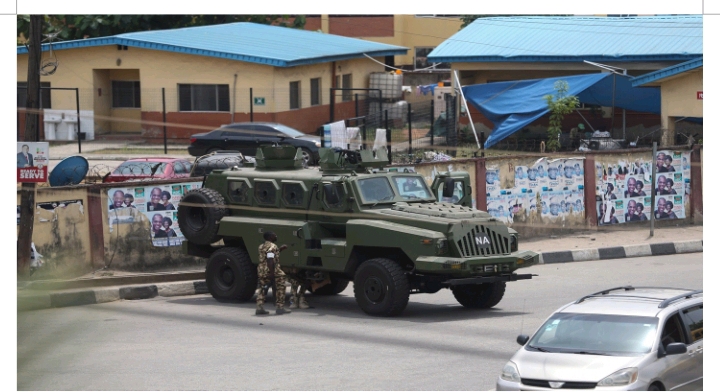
x=488, y=279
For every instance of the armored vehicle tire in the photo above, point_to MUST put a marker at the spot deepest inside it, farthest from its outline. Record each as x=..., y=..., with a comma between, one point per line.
x=200, y=221
x=479, y=296
x=381, y=287
x=231, y=275
x=336, y=286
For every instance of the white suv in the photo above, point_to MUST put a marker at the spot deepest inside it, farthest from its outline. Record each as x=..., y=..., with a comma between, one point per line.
x=624, y=338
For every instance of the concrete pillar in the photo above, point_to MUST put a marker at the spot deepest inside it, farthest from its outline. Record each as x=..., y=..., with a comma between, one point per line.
x=590, y=195
x=95, y=219
x=325, y=23
x=668, y=131
x=696, y=188
x=480, y=185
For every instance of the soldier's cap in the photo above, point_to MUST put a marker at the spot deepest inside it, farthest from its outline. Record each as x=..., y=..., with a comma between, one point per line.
x=267, y=235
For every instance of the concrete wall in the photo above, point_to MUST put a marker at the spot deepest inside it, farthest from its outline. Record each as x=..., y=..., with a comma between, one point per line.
x=679, y=95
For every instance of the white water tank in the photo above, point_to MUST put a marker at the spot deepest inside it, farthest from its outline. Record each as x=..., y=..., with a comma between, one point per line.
x=389, y=83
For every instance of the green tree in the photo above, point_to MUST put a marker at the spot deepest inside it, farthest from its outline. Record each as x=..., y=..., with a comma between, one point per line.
x=71, y=27
x=560, y=105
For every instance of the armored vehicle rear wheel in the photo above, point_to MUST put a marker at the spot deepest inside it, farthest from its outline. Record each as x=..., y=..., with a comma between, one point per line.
x=381, y=287
x=231, y=275
x=336, y=286
x=199, y=215
x=479, y=296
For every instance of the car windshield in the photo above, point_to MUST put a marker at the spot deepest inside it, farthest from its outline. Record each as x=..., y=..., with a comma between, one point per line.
x=288, y=131
x=602, y=334
x=412, y=187
x=141, y=168
x=376, y=189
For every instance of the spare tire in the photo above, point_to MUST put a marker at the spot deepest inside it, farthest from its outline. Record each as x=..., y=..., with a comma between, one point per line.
x=199, y=215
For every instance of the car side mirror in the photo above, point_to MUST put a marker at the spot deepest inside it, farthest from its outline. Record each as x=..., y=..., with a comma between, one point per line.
x=449, y=188
x=522, y=339
x=675, y=348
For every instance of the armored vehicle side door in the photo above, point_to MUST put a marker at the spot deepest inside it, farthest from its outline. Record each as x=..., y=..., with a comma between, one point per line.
x=461, y=188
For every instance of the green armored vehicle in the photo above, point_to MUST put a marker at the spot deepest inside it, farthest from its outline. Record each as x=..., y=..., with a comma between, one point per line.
x=350, y=219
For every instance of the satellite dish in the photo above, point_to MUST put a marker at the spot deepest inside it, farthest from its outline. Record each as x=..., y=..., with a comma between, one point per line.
x=70, y=171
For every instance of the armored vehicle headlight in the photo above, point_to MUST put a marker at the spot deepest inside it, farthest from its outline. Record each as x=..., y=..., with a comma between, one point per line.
x=442, y=246
x=513, y=243
x=510, y=373
x=621, y=377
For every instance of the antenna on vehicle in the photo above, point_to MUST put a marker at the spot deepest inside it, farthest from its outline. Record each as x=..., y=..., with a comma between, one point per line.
x=522, y=318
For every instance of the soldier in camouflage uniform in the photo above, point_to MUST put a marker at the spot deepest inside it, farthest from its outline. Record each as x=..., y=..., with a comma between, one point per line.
x=270, y=254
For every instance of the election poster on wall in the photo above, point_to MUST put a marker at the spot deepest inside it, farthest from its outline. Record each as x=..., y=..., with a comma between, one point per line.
x=32, y=161
x=156, y=204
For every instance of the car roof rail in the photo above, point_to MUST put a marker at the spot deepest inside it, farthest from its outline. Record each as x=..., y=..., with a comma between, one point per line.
x=626, y=288
x=668, y=301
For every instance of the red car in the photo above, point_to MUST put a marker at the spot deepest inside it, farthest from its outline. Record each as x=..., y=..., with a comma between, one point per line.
x=150, y=168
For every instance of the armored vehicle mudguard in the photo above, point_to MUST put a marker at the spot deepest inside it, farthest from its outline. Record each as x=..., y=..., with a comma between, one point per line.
x=350, y=219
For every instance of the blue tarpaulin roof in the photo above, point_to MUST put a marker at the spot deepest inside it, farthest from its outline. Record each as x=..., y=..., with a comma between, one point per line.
x=511, y=106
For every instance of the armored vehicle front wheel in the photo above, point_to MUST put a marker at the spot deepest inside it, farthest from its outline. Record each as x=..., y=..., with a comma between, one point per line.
x=479, y=296
x=230, y=275
x=199, y=215
x=336, y=286
x=381, y=287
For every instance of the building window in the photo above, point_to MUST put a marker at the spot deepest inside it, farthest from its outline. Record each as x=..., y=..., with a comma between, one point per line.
x=125, y=94
x=22, y=94
x=315, y=92
x=347, y=84
x=204, y=97
x=421, y=61
x=294, y=95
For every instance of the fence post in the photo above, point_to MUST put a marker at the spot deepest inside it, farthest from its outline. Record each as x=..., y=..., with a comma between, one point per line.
x=251, y=105
x=409, y=129
x=164, y=121
x=363, y=145
x=432, y=122
x=357, y=107
x=696, y=197
x=652, y=189
x=388, y=137
x=77, y=108
x=480, y=184
x=589, y=191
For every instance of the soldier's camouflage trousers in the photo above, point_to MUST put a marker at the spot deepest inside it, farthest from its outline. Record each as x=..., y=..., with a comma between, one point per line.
x=297, y=291
x=264, y=278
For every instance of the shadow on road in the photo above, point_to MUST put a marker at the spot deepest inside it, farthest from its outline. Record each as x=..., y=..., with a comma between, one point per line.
x=345, y=306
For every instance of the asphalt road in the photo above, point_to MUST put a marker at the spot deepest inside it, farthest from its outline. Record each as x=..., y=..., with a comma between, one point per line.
x=197, y=343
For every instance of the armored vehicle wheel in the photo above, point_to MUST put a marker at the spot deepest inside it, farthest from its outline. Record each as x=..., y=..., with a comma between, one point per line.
x=479, y=296
x=199, y=222
x=381, y=287
x=230, y=275
x=336, y=286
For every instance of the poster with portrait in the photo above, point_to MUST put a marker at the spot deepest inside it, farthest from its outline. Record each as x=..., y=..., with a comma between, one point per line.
x=496, y=209
x=670, y=183
x=669, y=207
x=668, y=161
x=637, y=209
x=32, y=161
x=492, y=181
x=611, y=212
x=552, y=202
x=521, y=178
x=575, y=201
x=634, y=185
x=572, y=173
x=554, y=174
x=156, y=204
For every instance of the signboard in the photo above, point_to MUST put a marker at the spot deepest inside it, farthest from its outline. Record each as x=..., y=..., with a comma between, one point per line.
x=32, y=161
x=259, y=101
x=699, y=95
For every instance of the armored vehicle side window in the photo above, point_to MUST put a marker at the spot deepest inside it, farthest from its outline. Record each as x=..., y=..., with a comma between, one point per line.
x=293, y=194
x=333, y=195
x=376, y=189
x=265, y=193
x=412, y=187
x=239, y=191
x=458, y=192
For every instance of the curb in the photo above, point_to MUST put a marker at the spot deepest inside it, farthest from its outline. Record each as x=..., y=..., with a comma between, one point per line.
x=621, y=252
x=109, y=294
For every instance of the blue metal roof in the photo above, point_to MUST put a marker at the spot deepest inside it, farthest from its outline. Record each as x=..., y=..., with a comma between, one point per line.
x=574, y=39
x=667, y=72
x=250, y=42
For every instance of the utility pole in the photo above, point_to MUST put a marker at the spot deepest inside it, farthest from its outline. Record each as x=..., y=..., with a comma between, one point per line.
x=32, y=105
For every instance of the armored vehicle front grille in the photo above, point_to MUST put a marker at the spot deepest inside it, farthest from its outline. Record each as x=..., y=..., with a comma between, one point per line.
x=499, y=245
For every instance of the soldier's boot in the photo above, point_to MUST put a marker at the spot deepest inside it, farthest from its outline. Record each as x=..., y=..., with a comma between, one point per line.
x=294, y=303
x=302, y=304
x=280, y=311
x=259, y=311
